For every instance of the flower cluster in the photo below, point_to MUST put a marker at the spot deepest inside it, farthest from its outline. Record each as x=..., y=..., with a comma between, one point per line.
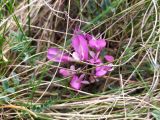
x=87, y=49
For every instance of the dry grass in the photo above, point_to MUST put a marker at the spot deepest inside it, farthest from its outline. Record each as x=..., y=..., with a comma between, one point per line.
x=30, y=87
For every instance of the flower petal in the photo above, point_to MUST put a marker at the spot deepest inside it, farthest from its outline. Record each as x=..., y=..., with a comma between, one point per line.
x=75, y=82
x=93, y=43
x=97, y=44
x=80, y=46
x=110, y=67
x=55, y=55
x=101, y=43
x=100, y=71
x=95, y=61
x=109, y=58
x=82, y=76
x=72, y=68
x=68, y=72
x=85, y=82
x=65, y=72
x=89, y=37
x=76, y=56
x=92, y=54
x=52, y=52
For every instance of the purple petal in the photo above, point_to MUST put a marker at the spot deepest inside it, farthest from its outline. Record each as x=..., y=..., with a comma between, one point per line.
x=92, y=54
x=55, y=54
x=95, y=61
x=97, y=44
x=89, y=37
x=80, y=46
x=76, y=56
x=77, y=31
x=85, y=82
x=100, y=71
x=75, y=82
x=92, y=61
x=101, y=43
x=98, y=61
x=82, y=76
x=72, y=67
x=93, y=43
x=65, y=72
x=109, y=58
x=68, y=72
x=110, y=67
x=52, y=52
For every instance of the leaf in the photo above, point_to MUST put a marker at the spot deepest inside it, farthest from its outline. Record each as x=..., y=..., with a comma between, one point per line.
x=156, y=114
x=10, y=90
x=6, y=87
x=2, y=40
x=15, y=79
x=26, y=56
x=92, y=7
x=4, y=98
x=5, y=84
x=105, y=3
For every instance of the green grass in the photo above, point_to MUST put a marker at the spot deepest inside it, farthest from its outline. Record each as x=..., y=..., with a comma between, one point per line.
x=30, y=87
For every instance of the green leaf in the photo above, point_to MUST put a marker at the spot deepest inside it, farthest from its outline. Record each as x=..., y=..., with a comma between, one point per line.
x=15, y=79
x=4, y=98
x=26, y=57
x=156, y=114
x=105, y=4
x=2, y=40
x=5, y=84
x=10, y=90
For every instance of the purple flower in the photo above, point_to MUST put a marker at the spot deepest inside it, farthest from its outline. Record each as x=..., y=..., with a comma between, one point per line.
x=102, y=70
x=76, y=56
x=89, y=37
x=109, y=58
x=94, y=59
x=76, y=82
x=79, y=43
x=86, y=48
x=55, y=55
x=98, y=44
x=67, y=72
